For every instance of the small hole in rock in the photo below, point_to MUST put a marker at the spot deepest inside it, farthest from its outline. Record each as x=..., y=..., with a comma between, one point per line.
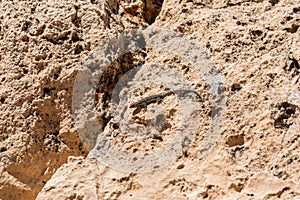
x=46, y=92
x=2, y=149
x=236, y=87
x=55, y=76
x=296, y=10
x=181, y=166
x=115, y=126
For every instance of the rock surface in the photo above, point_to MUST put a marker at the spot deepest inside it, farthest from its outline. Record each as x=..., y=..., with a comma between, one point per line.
x=253, y=44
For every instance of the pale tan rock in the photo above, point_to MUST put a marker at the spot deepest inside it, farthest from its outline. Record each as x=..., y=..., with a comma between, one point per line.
x=43, y=42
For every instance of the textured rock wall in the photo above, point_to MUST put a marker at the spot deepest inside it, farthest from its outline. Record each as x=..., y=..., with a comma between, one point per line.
x=42, y=44
x=250, y=42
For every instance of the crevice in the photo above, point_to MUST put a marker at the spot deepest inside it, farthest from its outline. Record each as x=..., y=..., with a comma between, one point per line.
x=110, y=78
x=151, y=10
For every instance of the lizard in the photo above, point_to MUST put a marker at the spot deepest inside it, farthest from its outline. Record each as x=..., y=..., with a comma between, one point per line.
x=159, y=97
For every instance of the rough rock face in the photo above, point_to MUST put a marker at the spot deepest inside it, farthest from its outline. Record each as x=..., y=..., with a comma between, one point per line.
x=254, y=45
x=42, y=44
